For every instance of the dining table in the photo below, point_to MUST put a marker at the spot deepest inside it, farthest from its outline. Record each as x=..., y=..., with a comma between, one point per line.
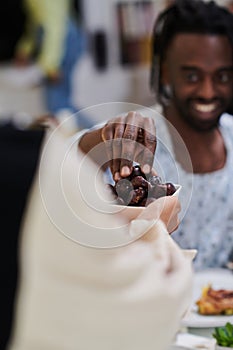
x=196, y=330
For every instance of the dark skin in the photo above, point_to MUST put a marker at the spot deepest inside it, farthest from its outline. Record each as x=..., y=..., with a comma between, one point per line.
x=198, y=69
x=125, y=139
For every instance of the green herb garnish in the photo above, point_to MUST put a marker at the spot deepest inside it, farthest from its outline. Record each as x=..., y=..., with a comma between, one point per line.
x=224, y=335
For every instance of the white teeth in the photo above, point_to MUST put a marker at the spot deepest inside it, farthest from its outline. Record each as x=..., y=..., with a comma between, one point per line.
x=205, y=108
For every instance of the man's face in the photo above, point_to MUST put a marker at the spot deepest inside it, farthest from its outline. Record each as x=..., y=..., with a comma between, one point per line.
x=199, y=69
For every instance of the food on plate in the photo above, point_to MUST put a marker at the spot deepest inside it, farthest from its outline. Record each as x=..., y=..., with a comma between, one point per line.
x=139, y=189
x=224, y=335
x=215, y=302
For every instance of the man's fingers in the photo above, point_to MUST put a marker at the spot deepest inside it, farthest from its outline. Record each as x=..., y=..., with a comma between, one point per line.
x=127, y=139
x=147, y=137
x=129, y=144
x=107, y=135
x=117, y=150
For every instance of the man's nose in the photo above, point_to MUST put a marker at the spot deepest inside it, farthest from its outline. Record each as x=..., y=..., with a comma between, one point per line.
x=207, y=88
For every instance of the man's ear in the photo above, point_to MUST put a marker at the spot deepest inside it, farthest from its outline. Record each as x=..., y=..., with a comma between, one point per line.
x=165, y=86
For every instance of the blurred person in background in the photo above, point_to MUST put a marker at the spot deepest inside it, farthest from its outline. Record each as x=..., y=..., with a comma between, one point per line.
x=53, y=40
x=57, y=299
x=192, y=77
x=11, y=27
x=19, y=153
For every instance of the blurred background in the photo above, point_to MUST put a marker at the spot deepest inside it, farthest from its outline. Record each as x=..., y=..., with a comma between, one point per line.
x=108, y=60
x=58, y=57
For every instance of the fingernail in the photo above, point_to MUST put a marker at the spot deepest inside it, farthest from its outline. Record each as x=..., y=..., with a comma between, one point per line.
x=125, y=171
x=146, y=168
x=117, y=176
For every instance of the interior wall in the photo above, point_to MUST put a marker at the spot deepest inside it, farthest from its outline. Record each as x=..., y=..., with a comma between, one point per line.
x=115, y=82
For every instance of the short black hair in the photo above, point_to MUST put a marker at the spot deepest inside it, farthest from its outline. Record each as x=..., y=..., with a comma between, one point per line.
x=185, y=16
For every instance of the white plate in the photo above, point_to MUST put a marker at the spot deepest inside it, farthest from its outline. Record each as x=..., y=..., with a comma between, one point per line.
x=219, y=279
x=190, y=341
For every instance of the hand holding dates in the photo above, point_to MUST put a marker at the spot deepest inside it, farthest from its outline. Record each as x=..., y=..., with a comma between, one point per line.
x=139, y=189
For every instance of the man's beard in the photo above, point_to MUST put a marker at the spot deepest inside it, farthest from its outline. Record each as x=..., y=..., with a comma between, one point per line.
x=196, y=124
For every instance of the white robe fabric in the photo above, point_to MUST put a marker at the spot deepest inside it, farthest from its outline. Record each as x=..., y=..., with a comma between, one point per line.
x=72, y=296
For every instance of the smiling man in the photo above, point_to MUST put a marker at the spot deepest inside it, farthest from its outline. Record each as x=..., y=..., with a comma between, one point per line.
x=192, y=77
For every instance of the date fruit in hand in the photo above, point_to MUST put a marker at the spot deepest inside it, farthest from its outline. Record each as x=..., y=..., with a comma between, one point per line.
x=140, y=190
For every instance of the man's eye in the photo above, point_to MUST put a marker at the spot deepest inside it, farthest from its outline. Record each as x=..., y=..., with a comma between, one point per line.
x=192, y=77
x=225, y=77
